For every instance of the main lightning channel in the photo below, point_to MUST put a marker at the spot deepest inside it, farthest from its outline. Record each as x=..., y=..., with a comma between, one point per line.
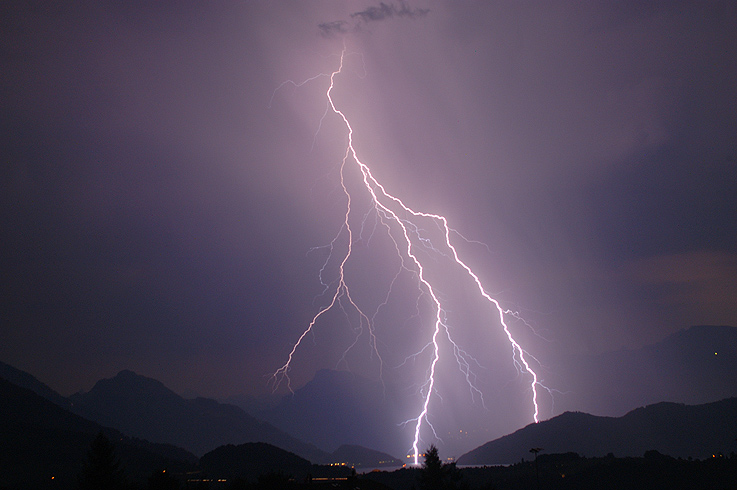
x=341, y=293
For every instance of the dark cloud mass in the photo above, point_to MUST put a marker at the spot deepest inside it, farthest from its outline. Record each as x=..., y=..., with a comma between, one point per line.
x=334, y=28
x=388, y=10
x=165, y=209
x=371, y=14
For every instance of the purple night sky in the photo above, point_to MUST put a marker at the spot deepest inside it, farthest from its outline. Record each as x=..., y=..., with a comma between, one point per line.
x=162, y=204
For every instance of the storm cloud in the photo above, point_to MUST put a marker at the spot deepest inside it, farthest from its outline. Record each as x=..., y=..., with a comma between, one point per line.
x=388, y=10
x=384, y=11
x=166, y=209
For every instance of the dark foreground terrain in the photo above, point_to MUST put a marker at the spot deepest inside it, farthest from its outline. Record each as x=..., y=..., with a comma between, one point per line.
x=570, y=471
x=555, y=472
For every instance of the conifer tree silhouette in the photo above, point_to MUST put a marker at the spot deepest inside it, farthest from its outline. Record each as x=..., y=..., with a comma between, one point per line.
x=102, y=470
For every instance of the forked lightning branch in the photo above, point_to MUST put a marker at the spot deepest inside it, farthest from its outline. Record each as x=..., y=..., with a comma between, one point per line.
x=400, y=223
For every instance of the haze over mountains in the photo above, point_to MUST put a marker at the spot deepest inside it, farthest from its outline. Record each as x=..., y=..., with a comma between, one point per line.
x=338, y=415
x=42, y=438
x=694, y=366
x=336, y=408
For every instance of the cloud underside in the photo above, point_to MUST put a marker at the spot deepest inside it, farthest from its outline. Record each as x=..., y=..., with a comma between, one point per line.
x=384, y=11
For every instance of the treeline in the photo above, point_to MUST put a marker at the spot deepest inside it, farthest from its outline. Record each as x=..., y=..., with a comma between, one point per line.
x=258, y=466
x=573, y=472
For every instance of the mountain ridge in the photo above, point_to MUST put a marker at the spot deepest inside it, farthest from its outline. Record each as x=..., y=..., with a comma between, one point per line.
x=28, y=381
x=702, y=359
x=607, y=384
x=156, y=413
x=141, y=394
x=44, y=443
x=675, y=429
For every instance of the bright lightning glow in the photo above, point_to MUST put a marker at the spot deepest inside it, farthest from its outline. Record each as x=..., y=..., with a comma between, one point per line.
x=394, y=214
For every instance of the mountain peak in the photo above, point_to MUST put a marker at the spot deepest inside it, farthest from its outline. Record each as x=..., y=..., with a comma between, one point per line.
x=139, y=396
x=127, y=373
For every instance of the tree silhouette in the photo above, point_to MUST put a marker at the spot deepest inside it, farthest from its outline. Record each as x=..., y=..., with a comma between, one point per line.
x=274, y=480
x=102, y=471
x=534, y=451
x=438, y=476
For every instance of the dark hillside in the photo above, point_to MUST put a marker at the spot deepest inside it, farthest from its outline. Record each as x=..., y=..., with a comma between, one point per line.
x=28, y=381
x=674, y=429
x=154, y=412
x=362, y=457
x=43, y=444
x=251, y=460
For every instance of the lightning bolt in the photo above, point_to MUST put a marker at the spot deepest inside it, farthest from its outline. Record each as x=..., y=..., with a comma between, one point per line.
x=394, y=214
